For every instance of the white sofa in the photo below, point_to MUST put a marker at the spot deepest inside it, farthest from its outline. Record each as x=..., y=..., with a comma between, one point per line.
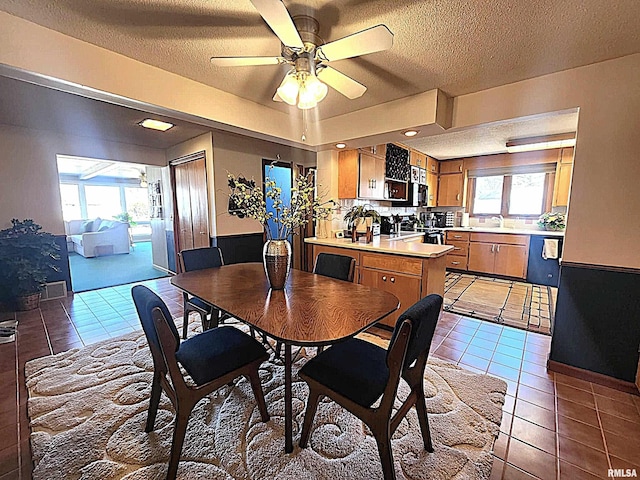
x=91, y=238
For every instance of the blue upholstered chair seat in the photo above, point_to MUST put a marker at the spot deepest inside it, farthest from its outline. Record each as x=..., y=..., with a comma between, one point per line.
x=196, y=301
x=354, y=368
x=217, y=352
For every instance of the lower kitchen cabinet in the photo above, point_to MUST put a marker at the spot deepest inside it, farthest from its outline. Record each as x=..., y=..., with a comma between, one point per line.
x=505, y=255
x=405, y=287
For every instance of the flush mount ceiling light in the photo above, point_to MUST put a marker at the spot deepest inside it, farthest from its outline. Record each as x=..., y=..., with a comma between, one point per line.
x=410, y=133
x=341, y=145
x=544, y=142
x=155, y=124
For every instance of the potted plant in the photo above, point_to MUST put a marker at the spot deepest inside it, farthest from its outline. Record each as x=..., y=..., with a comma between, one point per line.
x=552, y=221
x=360, y=217
x=26, y=260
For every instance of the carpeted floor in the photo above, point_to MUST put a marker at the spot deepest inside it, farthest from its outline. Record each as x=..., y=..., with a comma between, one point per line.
x=518, y=304
x=88, y=407
x=110, y=270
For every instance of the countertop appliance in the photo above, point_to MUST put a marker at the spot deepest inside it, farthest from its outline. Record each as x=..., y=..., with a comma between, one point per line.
x=440, y=219
x=434, y=236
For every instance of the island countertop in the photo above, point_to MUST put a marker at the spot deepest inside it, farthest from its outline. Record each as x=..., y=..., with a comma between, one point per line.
x=408, y=245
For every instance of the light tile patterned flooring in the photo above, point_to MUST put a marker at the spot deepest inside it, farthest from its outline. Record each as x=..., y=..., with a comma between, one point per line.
x=554, y=426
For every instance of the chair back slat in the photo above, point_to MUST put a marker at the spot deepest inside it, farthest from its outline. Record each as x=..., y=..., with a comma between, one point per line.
x=423, y=316
x=341, y=267
x=201, y=258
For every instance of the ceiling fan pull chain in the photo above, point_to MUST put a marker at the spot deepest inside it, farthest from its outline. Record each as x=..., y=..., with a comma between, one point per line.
x=304, y=125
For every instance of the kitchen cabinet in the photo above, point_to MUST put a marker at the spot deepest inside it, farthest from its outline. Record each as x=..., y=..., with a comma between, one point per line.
x=400, y=276
x=418, y=159
x=458, y=258
x=562, y=184
x=499, y=254
x=432, y=185
x=451, y=166
x=360, y=175
x=433, y=165
x=451, y=190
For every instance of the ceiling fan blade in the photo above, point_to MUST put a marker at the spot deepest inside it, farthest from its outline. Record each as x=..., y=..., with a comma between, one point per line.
x=371, y=40
x=277, y=17
x=245, y=61
x=347, y=86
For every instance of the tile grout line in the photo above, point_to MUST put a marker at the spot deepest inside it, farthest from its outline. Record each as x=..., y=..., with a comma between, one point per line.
x=604, y=438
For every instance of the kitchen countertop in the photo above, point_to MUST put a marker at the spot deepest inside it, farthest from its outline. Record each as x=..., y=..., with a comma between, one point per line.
x=517, y=231
x=407, y=243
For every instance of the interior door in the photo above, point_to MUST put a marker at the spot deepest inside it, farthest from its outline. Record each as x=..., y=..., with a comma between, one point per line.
x=199, y=203
x=184, y=229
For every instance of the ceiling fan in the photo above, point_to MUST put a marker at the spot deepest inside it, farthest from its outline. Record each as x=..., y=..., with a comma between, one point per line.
x=308, y=55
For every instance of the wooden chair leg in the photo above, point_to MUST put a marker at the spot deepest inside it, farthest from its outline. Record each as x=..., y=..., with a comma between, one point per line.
x=182, y=419
x=254, y=379
x=215, y=318
x=154, y=401
x=423, y=419
x=383, y=439
x=205, y=322
x=278, y=348
x=309, y=414
x=320, y=349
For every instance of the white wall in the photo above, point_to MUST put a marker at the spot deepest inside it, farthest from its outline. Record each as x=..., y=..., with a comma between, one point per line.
x=29, y=185
x=603, y=217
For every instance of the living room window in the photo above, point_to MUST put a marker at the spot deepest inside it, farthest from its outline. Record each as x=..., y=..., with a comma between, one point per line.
x=102, y=201
x=70, y=196
x=511, y=193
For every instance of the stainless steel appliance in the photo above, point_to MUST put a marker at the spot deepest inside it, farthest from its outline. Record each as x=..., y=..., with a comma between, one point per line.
x=440, y=219
x=417, y=195
x=434, y=236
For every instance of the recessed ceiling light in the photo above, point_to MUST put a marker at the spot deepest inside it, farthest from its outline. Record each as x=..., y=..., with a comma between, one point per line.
x=155, y=124
x=410, y=133
x=544, y=142
x=341, y=145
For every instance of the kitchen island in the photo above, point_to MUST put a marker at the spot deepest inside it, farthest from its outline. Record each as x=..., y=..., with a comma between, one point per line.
x=403, y=266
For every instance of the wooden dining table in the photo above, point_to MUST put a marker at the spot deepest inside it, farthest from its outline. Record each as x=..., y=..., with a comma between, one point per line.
x=312, y=310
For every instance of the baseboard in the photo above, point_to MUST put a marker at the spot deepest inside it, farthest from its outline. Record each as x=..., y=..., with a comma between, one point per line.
x=593, y=377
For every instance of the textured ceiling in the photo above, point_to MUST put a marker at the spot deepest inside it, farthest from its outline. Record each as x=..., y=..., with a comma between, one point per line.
x=459, y=47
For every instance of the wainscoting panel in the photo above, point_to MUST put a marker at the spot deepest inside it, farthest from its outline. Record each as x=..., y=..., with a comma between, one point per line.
x=240, y=248
x=597, y=323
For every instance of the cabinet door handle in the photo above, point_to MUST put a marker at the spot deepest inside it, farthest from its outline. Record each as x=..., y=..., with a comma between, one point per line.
x=498, y=250
x=492, y=248
x=457, y=236
x=457, y=197
x=460, y=168
x=457, y=248
x=393, y=280
x=202, y=233
x=455, y=263
x=384, y=278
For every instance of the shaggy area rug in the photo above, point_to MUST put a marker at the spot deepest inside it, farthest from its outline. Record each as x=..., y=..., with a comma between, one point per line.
x=517, y=304
x=88, y=407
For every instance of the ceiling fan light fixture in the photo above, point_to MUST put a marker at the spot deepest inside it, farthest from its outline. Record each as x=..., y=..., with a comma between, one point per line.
x=288, y=89
x=560, y=140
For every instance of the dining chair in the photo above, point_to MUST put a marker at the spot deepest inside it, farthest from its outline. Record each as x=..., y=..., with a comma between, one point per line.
x=341, y=267
x=198, y=259
x=356, y=373
x=212, y=359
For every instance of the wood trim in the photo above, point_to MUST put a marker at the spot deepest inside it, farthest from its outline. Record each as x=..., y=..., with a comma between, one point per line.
x=188, y=158
x=608, y=268
x=592, y=377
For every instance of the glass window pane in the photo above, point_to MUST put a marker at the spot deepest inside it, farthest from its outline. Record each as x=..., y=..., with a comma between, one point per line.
x=102, y=201
x=488, y=195
x=137, y=203
x=70, y=202
x=527, y=192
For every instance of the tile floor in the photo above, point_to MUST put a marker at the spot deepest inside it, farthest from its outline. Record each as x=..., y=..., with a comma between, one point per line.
x=554, y=426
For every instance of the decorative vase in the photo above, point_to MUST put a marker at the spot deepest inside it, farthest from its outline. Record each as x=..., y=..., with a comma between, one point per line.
x=277, y=262
x=27, y=302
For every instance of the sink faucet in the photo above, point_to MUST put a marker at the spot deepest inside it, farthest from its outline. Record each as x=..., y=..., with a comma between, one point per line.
x=500, y=219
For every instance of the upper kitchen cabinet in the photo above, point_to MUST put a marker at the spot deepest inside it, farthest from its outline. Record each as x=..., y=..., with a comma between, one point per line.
x=562, y=184
x=432, y=189
x=371, y=180
x=433, y=165
x=360, y=174
x=451, y=184
x=397, y=163
x=417, y=159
